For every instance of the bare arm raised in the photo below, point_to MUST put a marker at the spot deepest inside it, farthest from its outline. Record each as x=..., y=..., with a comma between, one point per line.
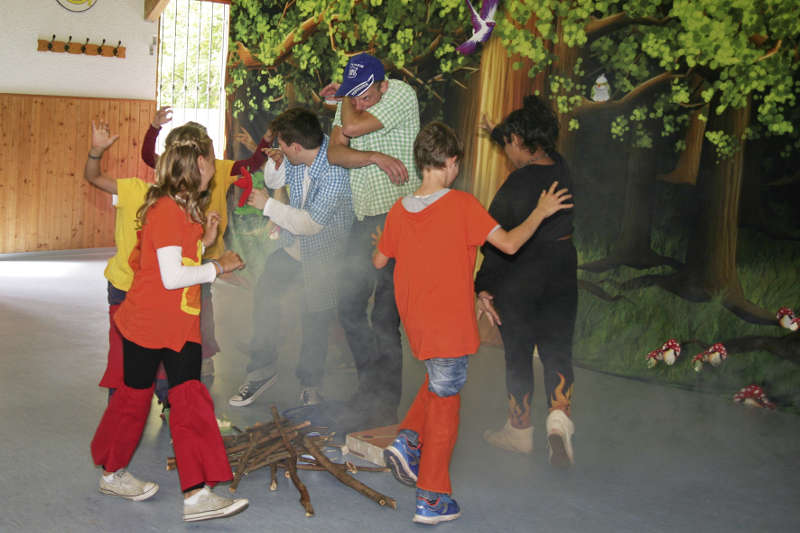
x=102, y=139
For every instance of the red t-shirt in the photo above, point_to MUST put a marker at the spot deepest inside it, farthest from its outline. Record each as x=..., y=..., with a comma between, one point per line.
x=434, y=252
x=152, y=316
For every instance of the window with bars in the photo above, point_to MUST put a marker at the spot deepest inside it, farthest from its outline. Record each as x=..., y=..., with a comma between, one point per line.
x=191, y=66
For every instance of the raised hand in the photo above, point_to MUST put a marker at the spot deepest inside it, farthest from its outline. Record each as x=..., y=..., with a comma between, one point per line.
x=162, y=116
x=486, y=126
x=246, y=139
x=101, y=136
x=329, y=91
x=552, y=201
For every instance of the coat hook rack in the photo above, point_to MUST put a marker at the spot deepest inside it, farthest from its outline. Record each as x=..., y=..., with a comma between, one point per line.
x=81, y=48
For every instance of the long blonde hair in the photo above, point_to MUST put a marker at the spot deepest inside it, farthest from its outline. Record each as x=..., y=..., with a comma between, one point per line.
x=177, y=173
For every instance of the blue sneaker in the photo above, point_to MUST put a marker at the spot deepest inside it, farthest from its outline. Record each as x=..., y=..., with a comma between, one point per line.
x=442, y=509
x=403, y=458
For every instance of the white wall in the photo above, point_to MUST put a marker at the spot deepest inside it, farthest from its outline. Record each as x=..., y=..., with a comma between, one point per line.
x=24, y=70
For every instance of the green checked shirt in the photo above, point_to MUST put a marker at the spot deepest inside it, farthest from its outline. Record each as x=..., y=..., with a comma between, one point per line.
x=398, y=111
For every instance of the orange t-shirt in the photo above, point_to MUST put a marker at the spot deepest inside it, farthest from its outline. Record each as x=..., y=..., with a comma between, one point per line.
x=152, y=316
x=434, y=252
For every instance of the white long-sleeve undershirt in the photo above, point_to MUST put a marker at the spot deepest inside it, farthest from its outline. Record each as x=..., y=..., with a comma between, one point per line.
x=176, y=275
x=292, y=219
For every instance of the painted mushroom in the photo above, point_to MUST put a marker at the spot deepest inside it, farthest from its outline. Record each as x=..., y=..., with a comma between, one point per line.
x=670, y=352
x=653, y=358
x=714, y=355
x=787, y=319
x=753, y=396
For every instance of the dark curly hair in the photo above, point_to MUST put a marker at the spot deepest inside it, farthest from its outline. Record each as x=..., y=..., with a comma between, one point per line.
x=535, y=123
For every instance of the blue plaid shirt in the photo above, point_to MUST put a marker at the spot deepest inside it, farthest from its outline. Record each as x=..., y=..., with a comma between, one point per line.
x=329, y=203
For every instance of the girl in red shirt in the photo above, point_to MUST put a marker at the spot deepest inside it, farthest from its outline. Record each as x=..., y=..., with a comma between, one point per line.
x=159, y=321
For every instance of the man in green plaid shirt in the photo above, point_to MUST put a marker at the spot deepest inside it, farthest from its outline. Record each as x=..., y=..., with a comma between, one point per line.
x=373, y=134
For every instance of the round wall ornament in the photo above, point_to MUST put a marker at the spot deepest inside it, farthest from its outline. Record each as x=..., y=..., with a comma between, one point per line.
x=77, y=6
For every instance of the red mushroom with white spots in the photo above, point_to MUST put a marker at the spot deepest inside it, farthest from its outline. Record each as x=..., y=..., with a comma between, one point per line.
x=653, y=358
x=753, y=396
x=787, y=319
x=713, y=355
x=670, y=351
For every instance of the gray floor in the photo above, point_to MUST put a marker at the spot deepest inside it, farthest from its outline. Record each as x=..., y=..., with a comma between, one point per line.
x=649, y=458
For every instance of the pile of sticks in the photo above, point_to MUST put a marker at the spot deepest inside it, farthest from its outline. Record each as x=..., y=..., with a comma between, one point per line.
x=279, y=445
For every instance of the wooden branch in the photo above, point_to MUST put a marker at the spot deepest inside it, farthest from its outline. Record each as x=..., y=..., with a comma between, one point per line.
x=597, y=28
x=642, y=90
x=291, y=464
x=347, y=479
x=772, y=52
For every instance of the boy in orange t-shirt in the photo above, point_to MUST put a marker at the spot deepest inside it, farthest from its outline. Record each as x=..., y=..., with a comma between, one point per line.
x=433, y=235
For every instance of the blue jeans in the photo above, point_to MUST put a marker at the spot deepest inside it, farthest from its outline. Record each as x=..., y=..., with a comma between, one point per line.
x=446, y=375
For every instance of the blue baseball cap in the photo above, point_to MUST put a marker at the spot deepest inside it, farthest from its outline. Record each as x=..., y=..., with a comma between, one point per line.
x=360, y=73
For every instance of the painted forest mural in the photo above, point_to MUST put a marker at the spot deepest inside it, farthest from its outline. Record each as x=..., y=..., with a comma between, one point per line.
x=678, y=119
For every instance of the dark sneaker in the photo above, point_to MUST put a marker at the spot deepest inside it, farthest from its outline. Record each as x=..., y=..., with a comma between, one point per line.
x=205, y=505
x=251, y=390
x=403, y=459
x=123, y=484
x=442, y=509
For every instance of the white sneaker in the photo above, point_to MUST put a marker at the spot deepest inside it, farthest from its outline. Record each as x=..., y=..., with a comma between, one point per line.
x=122, y=483
x=559, y=439
x=310, y=396
x=205, y=505
x=511, y=438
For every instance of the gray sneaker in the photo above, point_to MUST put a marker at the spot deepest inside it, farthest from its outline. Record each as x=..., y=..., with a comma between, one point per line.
x=205, y=505
x=123, y=484
x=251, y=390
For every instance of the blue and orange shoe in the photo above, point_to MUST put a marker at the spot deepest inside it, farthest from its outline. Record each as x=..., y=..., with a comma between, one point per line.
x=403, y=458
x=431, y=512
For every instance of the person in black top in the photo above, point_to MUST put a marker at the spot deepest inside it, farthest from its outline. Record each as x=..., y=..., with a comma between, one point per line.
x=532, y=295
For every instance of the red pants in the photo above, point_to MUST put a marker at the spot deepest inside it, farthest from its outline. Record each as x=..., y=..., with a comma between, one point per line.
x=112, y=379
x=199, y=451
x=435, y=420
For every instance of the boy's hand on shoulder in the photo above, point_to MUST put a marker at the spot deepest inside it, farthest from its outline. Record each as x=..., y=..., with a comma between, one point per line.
x=551, y=201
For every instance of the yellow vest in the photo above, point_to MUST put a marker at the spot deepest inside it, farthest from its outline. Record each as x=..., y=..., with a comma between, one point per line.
x=219, y=203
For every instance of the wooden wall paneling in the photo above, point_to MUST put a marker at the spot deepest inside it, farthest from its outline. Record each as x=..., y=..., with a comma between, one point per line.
x=47, y=146
x=46, y=203
x=80, y=187
x=69, y=174
x=27, y=205
x=8, y=146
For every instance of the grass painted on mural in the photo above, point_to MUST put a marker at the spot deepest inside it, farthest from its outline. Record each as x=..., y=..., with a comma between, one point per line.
x=616, y=336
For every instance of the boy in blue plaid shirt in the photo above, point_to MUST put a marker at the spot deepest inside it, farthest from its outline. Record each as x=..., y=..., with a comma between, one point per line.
x=314, y=226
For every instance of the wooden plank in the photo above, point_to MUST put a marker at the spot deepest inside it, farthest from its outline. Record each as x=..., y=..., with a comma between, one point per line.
x=154, y=8
x=27, y=201
x=70, y=172
x=9, y=141
x=51, y=144
x=80, y=190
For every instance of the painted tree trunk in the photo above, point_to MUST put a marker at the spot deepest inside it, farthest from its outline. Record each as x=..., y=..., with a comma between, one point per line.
x=633, y=245
x=711, y=254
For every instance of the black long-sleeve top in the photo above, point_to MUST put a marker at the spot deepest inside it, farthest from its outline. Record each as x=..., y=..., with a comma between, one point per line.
x=512, y=204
